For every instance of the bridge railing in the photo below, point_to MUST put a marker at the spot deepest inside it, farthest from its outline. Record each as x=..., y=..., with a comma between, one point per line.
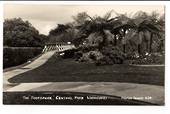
x=59, y=47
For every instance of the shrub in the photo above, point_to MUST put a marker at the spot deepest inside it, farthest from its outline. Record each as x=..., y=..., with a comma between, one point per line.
x=78, y=55
x=104, y=61
x=87, y=48
x=91, y=56
x=85, y=58
x=111, y=55
x=69, y=53
x=13, y=56
x=154, y=58
x=95, y=55
x=107, y=56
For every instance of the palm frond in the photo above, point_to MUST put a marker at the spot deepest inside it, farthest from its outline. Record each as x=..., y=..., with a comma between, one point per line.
x=108, y=15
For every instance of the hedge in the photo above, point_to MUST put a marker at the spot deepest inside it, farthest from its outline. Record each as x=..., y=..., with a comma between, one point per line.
x=13, y=56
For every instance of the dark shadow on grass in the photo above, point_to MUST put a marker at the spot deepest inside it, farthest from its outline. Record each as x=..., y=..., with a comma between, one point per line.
x=68, y=70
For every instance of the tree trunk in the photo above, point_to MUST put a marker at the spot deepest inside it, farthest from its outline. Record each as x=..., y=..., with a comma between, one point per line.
x=139, y=51
x=150, y=43
x=124, y=48
x=147, y=46
x=162, y=46
x=115, y=41
x=103, y=43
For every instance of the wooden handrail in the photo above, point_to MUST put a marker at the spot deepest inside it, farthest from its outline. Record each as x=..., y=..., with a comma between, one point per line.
x=59, y=47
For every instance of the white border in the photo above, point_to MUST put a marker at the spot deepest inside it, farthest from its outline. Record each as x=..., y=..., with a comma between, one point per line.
x=89, y=2
x=5, y=109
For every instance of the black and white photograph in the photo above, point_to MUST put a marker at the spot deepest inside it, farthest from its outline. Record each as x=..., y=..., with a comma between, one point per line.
x=83, y=54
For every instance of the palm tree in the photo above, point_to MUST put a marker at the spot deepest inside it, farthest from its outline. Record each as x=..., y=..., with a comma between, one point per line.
x=97, y=30
x=144, y=28
x=122, y=23
x=141, y=28
x=109, y=30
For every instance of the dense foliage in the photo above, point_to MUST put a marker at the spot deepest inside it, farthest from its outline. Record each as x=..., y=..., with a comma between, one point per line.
x=63, y=33
x=115, y=39
x=21, y=42
x=99, y=39
x=13, y=56
x=19, y=33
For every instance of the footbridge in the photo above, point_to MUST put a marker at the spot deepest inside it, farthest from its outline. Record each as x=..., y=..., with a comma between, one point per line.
x=59, y=46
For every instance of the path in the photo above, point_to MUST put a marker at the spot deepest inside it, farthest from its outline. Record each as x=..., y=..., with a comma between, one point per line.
x=38, y=62
x=149, y=93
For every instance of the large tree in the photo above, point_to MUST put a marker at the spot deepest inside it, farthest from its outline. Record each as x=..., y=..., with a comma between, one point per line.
x=144, y=30
x=19, y=33
x=96, y=31
x=140, y=33
x=63, y=33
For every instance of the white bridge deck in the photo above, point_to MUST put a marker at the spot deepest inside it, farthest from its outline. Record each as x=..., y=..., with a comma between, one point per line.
x=57, y=46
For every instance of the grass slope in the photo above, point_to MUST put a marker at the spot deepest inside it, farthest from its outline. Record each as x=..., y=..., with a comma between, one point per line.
x=68, y=70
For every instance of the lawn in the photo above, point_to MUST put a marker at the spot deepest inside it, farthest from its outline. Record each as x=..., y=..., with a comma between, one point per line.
x=68, y=70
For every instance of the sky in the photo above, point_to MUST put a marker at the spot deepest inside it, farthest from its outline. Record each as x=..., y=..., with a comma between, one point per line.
x=46, y=17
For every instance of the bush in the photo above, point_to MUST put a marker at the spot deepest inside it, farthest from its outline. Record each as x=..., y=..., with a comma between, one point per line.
x=87, y=48
x=78, y=55
x=69, y=53
x=13, y=56
x=91, y=56
x=154, y=58
x=95, y=55
x=107, y=56
x=104, y=61
x=85, y=58
x=111, y=55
